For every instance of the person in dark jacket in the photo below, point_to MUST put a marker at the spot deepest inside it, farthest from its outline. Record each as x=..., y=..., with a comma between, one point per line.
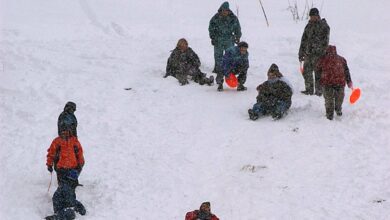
x=184, y=62
x=235, y=61
x=334, y=75
x=64, y=199
x=315, y=40
x=67, y=120
x=224, y=31
x=274, y=96
x=204, y=213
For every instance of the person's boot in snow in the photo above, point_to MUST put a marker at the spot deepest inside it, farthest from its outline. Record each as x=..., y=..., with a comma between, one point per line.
x=220, y=88
x=252, y=115
x=241, y=87
x=210, y=80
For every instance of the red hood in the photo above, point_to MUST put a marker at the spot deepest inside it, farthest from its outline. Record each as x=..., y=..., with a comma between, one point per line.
x=331, y=50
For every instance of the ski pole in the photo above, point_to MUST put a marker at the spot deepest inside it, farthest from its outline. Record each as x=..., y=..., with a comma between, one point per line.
x=261, y=4
x=51, y=178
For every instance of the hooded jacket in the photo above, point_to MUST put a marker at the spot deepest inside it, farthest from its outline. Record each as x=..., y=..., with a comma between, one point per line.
x=224, y=28
x=233, y=60
x=333, y=69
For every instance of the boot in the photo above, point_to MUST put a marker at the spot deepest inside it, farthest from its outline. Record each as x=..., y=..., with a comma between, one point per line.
x=252, y=115
x=241, y=87
x=220, y=88
x=210, y=80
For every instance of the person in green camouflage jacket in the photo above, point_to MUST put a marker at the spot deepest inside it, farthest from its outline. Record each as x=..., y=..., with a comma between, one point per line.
x=184, y=62
x=224, y=31
x=315, y=40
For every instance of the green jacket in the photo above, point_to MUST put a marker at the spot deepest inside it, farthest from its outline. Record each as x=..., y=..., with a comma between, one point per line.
x=222, y=29
x=315, y=39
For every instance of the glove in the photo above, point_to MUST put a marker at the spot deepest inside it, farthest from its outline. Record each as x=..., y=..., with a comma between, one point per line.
x=301, y=58
x=213, y=42
x=50, y=168
x=350, y=85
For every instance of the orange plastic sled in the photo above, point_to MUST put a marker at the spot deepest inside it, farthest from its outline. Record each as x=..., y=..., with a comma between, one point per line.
x=231, y=80
x=355, y=95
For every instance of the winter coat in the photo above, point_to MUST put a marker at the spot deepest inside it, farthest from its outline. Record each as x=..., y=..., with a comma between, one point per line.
x=67, y=121
x=180, y=61
x=233, y=60
x=65, y=153
x=224, y=28
x=194, y=216
x=315, y=39
x=272, y=91
x=333, y=69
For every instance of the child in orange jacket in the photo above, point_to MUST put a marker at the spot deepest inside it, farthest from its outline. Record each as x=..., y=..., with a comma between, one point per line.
x=65, y=154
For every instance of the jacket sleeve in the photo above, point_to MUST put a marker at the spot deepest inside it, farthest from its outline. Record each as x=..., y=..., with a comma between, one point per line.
x=191, y=215
x=237, y=28
x=79, y=154
x=325, y=36
x=227, y=62
x=194, y=59
x=303, y=45
x=169, y=65
x=213, y=28
x=346, y=72
x=51, y=153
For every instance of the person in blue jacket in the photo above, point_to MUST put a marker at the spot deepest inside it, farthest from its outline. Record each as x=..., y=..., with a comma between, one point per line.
x=235, y=61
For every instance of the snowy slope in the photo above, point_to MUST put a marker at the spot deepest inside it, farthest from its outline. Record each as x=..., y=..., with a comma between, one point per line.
x=159, y=150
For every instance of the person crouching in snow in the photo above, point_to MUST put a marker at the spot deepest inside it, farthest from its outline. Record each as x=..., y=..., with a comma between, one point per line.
x=65, y=153
x=204, y=213
x=64, y=199
x=334, y=75
x=235, y=61
x=274, y=96
x=184, y=62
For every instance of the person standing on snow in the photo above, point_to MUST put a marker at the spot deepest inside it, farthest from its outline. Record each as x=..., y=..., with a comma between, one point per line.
x=67, y=120
x=334, y=75
x=182, y=62
x=274, y=96
x=315, y=40
x=65, y=154
x=204, y=213
x=224, y=31
x=235, y=61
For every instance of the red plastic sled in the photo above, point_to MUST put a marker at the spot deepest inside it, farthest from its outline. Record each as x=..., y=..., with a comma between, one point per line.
x=355, y=95
x=231, y=81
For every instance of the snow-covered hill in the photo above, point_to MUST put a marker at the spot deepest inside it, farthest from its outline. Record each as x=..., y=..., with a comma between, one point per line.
x=160, y=149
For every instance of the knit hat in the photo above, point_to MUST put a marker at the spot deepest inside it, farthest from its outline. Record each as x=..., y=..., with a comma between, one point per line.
x=243, y=44
x=314, y=12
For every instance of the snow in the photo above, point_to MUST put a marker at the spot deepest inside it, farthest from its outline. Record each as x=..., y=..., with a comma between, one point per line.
x=160, y=149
